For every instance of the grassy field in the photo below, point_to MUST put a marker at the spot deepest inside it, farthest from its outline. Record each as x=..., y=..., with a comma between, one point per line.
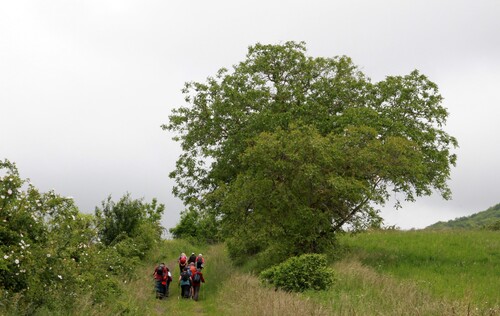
x=385, y=273
x=459, y=266
x=227, y=291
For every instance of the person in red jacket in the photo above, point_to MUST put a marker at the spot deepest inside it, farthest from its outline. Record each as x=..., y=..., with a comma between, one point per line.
x=162, y=278
x=192, y=269
x=182, y=262
x=197, y=279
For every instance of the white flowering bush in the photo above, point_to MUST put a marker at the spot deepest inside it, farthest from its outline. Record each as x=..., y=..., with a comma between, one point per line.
x=51, y=253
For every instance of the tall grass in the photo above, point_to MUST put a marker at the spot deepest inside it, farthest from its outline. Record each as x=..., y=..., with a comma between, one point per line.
x=227, y=291
x=137, y=294
x=397, y=273
x=242, y=294
x=456, y=265
x=360, y=290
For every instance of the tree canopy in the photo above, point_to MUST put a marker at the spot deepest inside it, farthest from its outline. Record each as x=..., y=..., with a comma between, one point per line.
x=285, y=150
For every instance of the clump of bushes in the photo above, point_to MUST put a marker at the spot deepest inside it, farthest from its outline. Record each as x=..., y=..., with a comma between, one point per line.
x=51, y=254
x=493, y=226
x=297, y=274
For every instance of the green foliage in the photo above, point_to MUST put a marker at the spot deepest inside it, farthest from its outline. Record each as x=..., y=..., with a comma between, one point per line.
x=487, y=219
x=288, y=149
x=197, y=227
x=51, y=254
x=297, y=274
x=45, y=243
x=456, y=264
x=493, y=226
x=129, y=218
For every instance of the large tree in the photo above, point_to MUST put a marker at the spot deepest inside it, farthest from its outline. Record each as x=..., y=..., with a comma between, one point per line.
x=285, y=150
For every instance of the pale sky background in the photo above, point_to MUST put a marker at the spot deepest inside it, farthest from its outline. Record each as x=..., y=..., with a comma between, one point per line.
x=85, y=85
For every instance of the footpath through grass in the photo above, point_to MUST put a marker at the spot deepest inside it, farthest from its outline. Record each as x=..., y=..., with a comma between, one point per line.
x=227, y=291
x=387, y=273
x=140, y=293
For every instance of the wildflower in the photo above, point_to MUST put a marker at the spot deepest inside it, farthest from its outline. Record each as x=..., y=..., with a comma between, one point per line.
x=59, y=276
x=48, y=255
x=73, y=217
x=16, y=261
x=6, y=257
x=9, y=191
x=2, y=196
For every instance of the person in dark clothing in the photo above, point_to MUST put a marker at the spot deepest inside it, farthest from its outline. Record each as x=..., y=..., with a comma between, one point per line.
x=197, y=279
x=192, y=258
x=200, y=262
x=185, y=283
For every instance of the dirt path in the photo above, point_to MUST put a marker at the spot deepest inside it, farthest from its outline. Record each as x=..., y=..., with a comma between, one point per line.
x=142, y=295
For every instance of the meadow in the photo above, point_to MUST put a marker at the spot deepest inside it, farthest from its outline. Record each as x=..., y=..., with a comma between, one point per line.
x=459, y=265
x=380, y=273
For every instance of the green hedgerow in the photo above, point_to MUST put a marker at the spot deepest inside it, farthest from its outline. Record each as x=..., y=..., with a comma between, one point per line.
x=297, y=274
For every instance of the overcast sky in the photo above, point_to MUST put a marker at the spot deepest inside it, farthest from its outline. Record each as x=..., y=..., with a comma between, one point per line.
x=85, y=85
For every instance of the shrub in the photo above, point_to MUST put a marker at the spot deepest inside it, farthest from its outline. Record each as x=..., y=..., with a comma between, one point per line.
x=493, y=226
x=128, y=218
x=301, y=273
x=50, y=253
x=197, y=228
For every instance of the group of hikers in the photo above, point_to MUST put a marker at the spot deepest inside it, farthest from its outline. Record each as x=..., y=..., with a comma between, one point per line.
x=190, y=276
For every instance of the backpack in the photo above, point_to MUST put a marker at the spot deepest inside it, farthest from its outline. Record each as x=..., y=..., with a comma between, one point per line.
x=183, y=260
x=185, y=276
x=159, y=270
x=197, y=278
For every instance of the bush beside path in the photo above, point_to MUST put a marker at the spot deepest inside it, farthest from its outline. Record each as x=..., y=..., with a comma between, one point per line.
x=358, y=290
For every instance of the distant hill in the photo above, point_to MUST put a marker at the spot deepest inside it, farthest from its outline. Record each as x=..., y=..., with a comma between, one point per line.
x=485, y=219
